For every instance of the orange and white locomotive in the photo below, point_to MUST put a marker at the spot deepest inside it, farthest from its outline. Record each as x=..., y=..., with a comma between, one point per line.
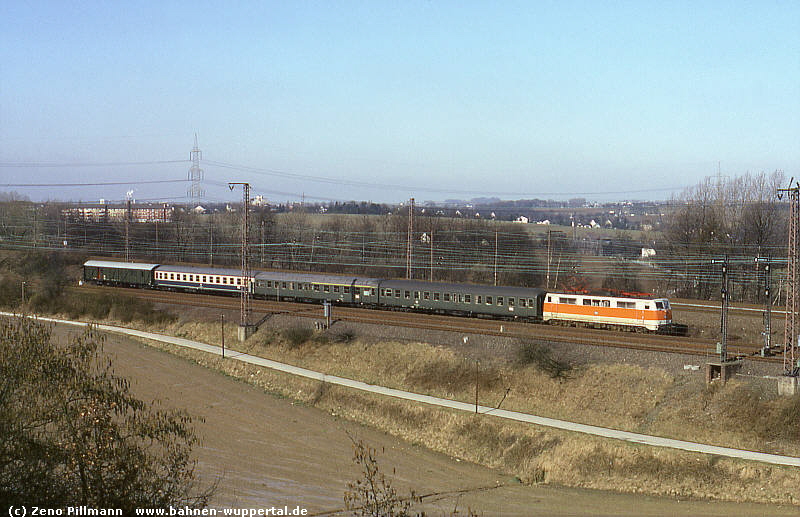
x=621, y=312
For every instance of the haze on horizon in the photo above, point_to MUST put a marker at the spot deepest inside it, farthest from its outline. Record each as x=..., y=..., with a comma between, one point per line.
x=384, y=101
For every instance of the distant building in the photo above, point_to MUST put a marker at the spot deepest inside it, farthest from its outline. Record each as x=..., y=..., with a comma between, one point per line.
x=521, y=219
x=138, y=213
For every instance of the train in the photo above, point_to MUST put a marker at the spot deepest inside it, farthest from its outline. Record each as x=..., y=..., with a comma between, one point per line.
x=623, y=312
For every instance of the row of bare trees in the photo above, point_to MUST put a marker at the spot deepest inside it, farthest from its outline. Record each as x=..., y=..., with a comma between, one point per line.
x=740, y=217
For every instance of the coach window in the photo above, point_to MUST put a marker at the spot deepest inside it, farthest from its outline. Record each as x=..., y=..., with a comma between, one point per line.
x=647, y=307
x=522, y=302
x=510, y=301
x=367, y=291
x=416, y=295
x=530, y=302
x=204, y=278
x=467, y=298
x=587, y=301
x=447, y=297
x=606, y=303
x=238, y=281
x=316, y=287
x=407, y=294
x=397, y=293
x=387, y=292
x=499, y=300
x=224, y=280
x=347, y=289
x=336, y=289
x=326, y=288
x=426, y=295
x=488, y=300
x=479, y=299
x=172, y=276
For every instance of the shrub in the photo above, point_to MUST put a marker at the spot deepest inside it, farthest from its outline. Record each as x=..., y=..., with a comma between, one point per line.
x=542, y=357
x=71, y=432
x=296, y=336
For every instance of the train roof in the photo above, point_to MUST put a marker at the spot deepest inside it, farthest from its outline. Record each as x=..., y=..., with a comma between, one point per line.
x=314, y=278
x=471, y=288
x=201, y=270
x=119, y=265
x=610, y=295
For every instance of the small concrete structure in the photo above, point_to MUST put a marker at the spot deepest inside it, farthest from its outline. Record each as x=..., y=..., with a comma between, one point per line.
x=722, y=370
x=788, y=386
x=245, y=331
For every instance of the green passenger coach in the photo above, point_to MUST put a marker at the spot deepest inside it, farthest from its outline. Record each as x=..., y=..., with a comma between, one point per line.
x=131, y=274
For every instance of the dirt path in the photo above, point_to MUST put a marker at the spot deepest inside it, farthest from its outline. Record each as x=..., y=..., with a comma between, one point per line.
x=266, y=451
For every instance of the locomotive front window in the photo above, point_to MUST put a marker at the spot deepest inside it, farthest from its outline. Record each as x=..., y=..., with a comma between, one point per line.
x=659, y=305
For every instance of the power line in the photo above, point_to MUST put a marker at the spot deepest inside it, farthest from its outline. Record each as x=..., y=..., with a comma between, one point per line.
x=85, y=164
x=383, y=186
x=140, y=182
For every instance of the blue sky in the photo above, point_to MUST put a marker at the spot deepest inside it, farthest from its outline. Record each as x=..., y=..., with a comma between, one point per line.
x=391, y=100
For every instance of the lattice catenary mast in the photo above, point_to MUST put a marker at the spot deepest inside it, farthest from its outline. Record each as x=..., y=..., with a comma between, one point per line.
x=792, y=295
x=195, y=191
x=245, y=287
x=410, y=244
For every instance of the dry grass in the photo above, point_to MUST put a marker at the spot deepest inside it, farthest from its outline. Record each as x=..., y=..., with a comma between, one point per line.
x=619, y=396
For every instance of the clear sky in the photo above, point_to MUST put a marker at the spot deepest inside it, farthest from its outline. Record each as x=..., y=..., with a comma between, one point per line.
x=389, y=100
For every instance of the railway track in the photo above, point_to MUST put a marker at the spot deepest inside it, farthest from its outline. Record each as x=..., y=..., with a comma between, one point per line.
x=441, y=323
